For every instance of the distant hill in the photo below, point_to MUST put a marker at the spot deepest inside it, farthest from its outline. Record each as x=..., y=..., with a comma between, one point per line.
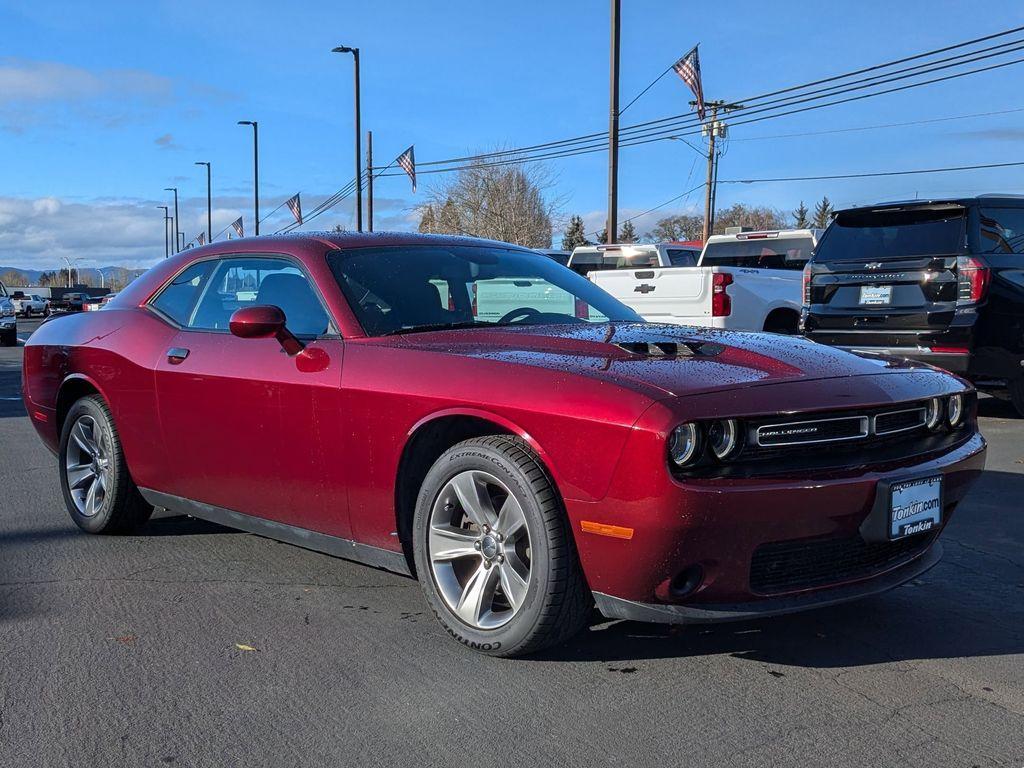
x=89, y=274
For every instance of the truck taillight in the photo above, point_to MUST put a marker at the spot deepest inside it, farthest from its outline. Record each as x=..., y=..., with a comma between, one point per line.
x=582, y=309
x=721, y=302
x=972, y=280
x=807, y=286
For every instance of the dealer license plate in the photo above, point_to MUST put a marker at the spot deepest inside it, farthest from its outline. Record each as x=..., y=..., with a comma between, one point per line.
x=915, y=506
x=875, y=295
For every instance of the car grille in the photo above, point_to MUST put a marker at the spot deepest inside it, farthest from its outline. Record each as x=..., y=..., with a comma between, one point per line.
x=899, y=421
x=786, y=566
x=812, y=431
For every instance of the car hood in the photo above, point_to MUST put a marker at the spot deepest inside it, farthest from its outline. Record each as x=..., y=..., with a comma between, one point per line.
x=657, y=359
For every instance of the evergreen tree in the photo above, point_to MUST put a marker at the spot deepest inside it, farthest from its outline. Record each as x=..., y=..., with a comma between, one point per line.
x=627, y=234
x=823, y=213
x=800, y=220
x=602, y=238
x=575, y=235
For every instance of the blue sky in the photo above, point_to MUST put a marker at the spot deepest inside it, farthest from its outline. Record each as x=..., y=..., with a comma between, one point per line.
x=103, y=104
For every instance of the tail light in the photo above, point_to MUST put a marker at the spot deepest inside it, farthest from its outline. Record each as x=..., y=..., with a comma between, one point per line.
x=972, y=280
x=807, y=286
x=721, y=302
x=582, y=309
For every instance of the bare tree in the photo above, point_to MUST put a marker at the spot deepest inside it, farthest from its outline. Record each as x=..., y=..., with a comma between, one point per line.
x=757, y=217
x=511, y=203
x=679, y=227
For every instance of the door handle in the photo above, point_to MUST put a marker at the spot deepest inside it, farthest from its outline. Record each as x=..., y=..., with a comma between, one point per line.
x=176, y=355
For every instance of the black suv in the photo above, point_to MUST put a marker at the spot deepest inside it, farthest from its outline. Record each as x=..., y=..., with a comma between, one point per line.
x=939, y=280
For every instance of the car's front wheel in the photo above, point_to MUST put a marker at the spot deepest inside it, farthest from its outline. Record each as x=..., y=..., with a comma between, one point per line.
x=98, y=491
x=9, y=339
x=1017, y=395
x=494, y=551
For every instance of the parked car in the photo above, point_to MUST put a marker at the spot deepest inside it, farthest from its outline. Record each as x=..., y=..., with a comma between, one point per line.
x=32, y=304
x=522, y=467
x=940, y=281
x=8, y=319
x=745, y=281
x=70, y=302
x=562, y=257
x=595, y=258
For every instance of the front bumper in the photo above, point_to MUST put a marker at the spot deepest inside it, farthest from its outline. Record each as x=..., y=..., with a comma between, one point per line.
x=711, y=613
x=8, y=324
x=716, y=527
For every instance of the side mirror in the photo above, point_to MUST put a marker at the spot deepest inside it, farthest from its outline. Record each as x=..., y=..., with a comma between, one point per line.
x=264, y=322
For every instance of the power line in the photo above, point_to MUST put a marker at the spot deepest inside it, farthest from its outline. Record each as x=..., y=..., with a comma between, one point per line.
x=915, y=171
x=689, y=117
x=666, y=133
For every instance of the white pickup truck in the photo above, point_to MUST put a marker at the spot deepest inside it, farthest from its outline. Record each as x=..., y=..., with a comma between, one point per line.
x=748, y=281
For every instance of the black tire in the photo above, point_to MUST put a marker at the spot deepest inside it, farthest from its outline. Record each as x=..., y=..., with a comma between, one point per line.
x=557, y=600
x=1017, y=395
x=122, y=509
x=9, y=339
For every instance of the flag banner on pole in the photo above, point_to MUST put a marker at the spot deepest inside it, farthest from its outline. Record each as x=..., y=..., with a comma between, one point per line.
x=407, y=162
x=688, y=68
x=295, y=206
x=201, y=239
x=237, y=224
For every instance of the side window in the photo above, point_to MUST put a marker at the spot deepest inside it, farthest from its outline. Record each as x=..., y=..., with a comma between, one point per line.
x=247, y=281
x=178, y=298
x=1002, y=230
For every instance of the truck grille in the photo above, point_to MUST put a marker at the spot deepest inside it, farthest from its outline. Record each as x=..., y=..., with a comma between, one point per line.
x=786, y=566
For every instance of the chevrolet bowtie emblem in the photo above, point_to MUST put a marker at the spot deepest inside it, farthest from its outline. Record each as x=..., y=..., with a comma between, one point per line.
x=873, y=265
x=643, y=288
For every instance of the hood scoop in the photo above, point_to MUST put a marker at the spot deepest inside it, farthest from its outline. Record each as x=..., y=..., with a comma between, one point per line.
x=671, y=348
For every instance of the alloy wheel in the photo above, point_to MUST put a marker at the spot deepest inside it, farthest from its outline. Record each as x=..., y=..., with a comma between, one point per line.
x=87, y=465
x=478, y=543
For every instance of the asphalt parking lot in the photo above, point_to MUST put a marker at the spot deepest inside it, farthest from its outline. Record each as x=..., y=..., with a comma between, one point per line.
x=193, y=645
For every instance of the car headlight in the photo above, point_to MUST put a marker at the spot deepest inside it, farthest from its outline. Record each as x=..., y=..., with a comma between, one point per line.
x=723, y=437
x=7, y=311
x=955, y=410
x=933, y=414
x=684, y=444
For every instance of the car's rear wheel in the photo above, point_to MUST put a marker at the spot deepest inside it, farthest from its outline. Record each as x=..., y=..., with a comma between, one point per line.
x=1017, y=395
x=9, y=339
x=494, y=551
x=98, y=491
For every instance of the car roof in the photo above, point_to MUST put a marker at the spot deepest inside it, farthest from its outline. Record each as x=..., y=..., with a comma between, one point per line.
x=991, y=198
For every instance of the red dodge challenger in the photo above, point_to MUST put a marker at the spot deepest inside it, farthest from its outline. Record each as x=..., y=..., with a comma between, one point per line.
x=475, y=414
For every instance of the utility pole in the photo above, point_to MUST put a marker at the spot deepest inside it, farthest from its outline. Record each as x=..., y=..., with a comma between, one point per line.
x=612, y=225
x=369, y=181
x=176, y=222
x=713, y=129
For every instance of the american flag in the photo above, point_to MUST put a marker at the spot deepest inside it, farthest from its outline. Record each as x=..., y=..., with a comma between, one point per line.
x=295, y=206
x=688, y=68
x=237, y=224
x=201, y=239
x=407, y=162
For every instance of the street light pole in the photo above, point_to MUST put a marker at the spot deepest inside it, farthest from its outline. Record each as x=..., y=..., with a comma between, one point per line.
x=176, y=221
x=255, y=169
x=167, y=237
x=359, y=153
x=209, y=203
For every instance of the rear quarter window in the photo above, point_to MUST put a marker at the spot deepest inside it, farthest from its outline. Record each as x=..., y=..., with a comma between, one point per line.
x=1001, y=230
x=178, y=297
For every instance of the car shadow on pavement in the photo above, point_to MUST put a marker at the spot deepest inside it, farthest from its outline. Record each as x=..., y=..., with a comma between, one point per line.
x=997, y=408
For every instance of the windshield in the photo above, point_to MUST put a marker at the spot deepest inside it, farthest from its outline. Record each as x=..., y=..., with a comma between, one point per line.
x=893, y=234
x=759, y=253
x=402, y=289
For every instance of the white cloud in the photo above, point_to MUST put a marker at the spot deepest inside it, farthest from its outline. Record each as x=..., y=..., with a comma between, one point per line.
x=35, y=233
x=36, y=81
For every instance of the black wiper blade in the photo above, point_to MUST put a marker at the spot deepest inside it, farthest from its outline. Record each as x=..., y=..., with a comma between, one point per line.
x=444, y=327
